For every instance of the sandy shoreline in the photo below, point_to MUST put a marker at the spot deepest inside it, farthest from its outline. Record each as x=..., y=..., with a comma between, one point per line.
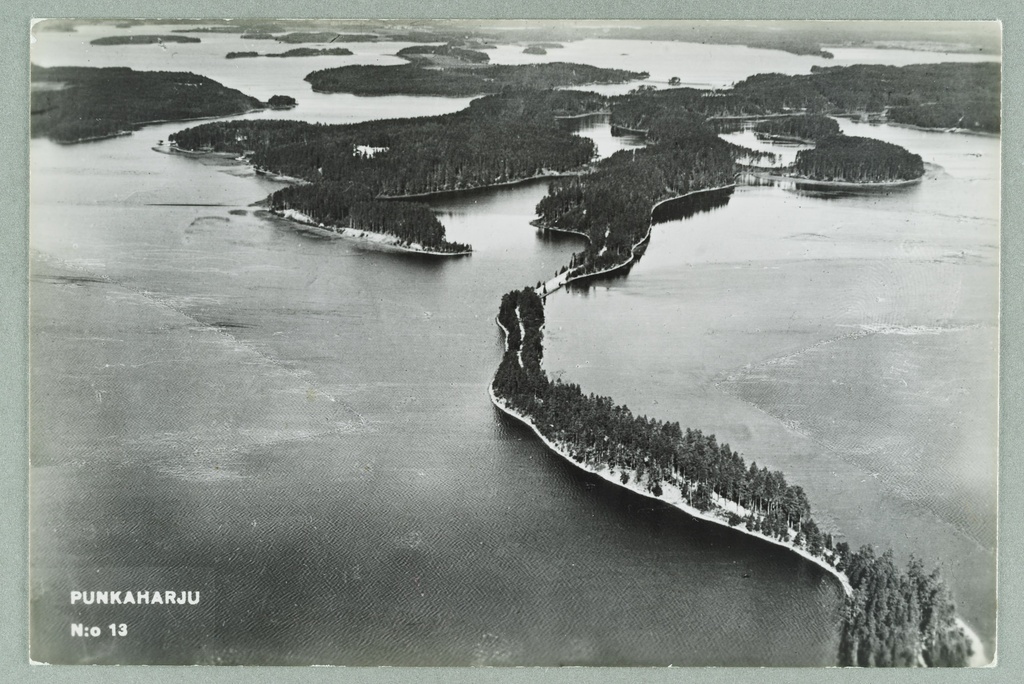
x=382, y=240
x=671, y=494
x=850, y=185
x=668, y=490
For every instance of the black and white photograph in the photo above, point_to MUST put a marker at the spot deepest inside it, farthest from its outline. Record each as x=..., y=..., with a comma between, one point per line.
x=512, y=343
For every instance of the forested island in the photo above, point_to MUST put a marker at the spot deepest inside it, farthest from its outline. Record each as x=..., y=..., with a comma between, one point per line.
x=442, y=54
x=87, y=103
x=413, y=79
x=948, y=95
x=805, y=128
x=311, y=37
x=848, y=159
x=295, y=52
x=143, y=40
x=281, y=102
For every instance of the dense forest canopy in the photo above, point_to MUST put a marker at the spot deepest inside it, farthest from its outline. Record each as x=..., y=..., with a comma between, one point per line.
x=501, y=138
x=898, y=619
x=450, y=51
x=612, y=206
x=281, y=101
x=143, y=40
x=857, y=160
x=352, y=206
x=94, y=103
x=311, y=52
x=497, y=139
x=940, y=95
x=804, y=128
x=891, y=619
x=412, y=79
x=944, y=95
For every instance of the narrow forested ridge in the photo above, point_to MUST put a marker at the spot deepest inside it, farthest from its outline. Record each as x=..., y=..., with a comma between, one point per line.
x=889, y=618
x=88, y=103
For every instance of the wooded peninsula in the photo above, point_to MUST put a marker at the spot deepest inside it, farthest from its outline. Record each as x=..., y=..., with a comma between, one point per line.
x=890, y=617
x=74, y=104
x=356, y=175
x=351, y=170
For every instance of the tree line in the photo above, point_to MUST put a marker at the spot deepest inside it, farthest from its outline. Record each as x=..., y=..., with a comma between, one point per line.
x=805, y=127
x=931, y=95
x=416, y=52
x=898, y=618
x=612, y=206
x=498, y=139
x=893, y=618
x=294, y=52
x=596, y=432
x=858, y=160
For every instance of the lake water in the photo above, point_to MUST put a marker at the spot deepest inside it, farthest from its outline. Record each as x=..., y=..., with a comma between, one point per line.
x=299, y=427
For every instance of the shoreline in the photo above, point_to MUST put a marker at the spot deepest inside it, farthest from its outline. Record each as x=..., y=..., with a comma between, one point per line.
x=978, y=656
x=627, y=130
x=553, y=285
x=775, y=137
x=670, y=491
x=444, y=193
x=584, y=115
x=140, y=124
x=609, y=474
x=855, y=117
x=381, y=240
x=850, y=185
